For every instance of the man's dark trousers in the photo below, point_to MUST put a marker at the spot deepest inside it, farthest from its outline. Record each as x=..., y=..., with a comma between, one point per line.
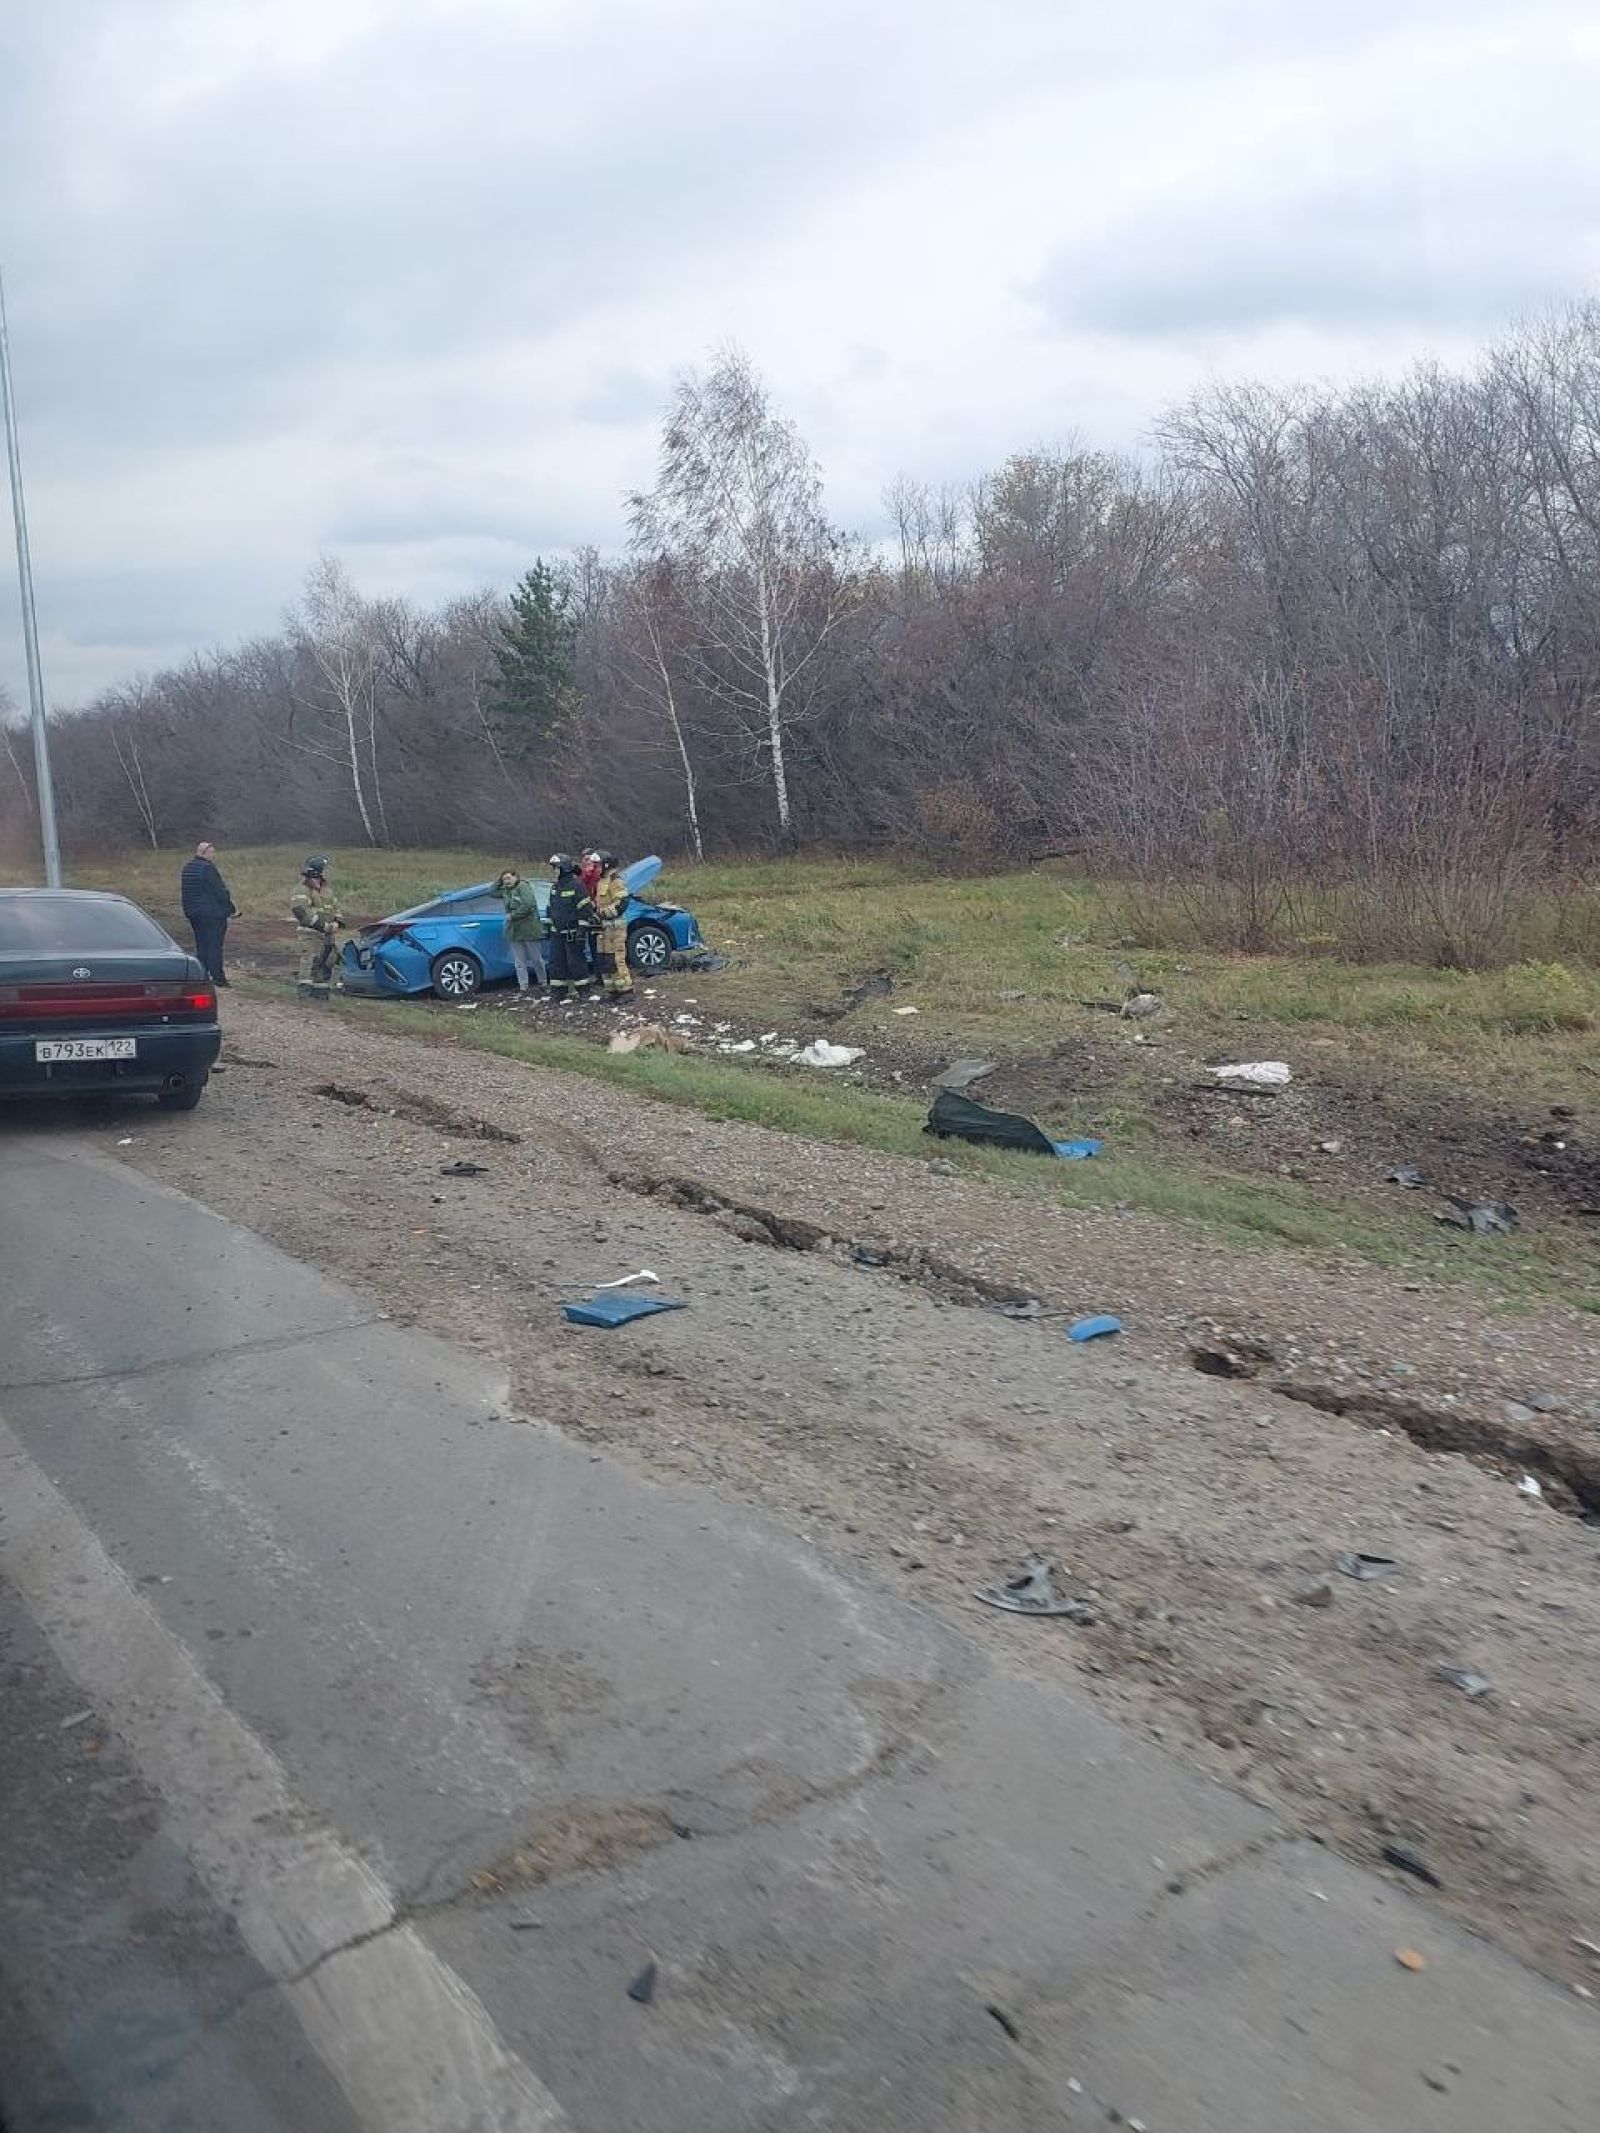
x=208, y=938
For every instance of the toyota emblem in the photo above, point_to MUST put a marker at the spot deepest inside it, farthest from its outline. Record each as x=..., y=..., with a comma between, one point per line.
x=83, y=971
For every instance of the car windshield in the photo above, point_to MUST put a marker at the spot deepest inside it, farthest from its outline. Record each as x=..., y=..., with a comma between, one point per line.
x=74, y=925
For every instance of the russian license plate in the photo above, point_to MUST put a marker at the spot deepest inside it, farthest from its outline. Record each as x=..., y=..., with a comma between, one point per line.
x=50, y=1050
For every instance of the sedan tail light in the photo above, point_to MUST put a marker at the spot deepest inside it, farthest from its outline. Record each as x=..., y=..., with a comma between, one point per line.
x=68, y=998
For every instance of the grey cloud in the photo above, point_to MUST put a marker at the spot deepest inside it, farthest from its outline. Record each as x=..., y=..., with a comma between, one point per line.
x=312, y=253
x=1468, y=262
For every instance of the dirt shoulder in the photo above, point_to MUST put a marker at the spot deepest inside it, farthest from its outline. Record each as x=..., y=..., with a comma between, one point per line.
x=842, y=1364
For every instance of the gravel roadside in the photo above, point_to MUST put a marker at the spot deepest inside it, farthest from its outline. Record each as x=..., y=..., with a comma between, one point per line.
x=851, y=1386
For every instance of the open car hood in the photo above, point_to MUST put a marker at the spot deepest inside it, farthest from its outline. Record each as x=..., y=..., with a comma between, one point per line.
x=640, y=875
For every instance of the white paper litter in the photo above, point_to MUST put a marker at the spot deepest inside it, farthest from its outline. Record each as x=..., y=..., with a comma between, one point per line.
x=1256, y=1073
x=687, y=1021
x=905, y=1010
x=769, y=1036
x=1528, y=1486
x=748, y=1045
x=820, y=1053
x=626, y=1281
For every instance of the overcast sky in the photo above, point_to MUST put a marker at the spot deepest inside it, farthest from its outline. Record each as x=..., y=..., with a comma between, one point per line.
x=408, y=280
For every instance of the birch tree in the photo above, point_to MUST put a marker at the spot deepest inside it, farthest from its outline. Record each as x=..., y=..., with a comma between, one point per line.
x=737, y=510
x=335, y=628
x=648, y=660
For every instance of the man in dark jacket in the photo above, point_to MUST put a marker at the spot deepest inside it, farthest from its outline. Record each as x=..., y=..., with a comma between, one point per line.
x=208, y=907
x=571, y=919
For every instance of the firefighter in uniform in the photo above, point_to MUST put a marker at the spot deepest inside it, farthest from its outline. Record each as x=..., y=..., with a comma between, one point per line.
x=571, y=919
x=611, y=943
x=317, y=918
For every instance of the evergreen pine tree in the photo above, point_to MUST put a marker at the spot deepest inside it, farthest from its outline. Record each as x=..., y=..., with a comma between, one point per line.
x=535, y=678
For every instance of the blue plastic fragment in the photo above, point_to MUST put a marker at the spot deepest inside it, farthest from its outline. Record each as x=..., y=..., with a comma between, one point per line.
x=1090, y=1329
x=1076, y=1151
x=617, y=1309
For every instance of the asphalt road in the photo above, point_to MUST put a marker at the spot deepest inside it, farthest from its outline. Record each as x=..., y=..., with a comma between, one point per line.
x=361, y=1747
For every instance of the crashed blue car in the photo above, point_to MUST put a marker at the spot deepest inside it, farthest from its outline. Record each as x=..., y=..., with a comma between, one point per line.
x=456, y=944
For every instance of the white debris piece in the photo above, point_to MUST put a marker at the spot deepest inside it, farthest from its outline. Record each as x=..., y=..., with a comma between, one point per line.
x=1528, y=1486
x=905, y=1010
x=1254, y=1073
x=687, y=1021
x=769, y=1036
x=625, y=1281
x=820, y=1053
x=748, y=1045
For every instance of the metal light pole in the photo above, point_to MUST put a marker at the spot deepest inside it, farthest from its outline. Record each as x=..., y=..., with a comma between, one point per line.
x=30, y=629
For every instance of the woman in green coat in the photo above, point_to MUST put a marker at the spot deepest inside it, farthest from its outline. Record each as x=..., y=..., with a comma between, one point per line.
x=524, y=928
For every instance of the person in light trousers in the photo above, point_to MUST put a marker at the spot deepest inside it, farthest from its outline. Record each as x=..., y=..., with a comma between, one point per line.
x=524, y=929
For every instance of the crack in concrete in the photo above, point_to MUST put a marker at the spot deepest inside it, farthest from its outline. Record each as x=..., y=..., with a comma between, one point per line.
x=272, y=1344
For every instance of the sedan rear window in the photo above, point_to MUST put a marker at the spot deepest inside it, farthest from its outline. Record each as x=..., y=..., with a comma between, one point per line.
x=70, y=925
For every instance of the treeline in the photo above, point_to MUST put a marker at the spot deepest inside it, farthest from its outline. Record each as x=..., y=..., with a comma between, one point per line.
x=1316, y=639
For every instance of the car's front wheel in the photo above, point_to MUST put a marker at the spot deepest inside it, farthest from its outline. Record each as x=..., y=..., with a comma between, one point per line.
x=457, y=974
x=650, y=948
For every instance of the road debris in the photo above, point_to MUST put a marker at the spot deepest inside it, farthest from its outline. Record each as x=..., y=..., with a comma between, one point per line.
x=1529, y=1486
x=1253, y=1074
x=1410, y=1862
x=1409, y=1959
x=626, y=1281
x=1141, y=1007
x=1406, y=1175
x=618, y=1310
x=1006, y=2021
x=78, y=1718
x=1483, y=1218
x=1465, y=1678
x=962, y=1073
x=1318, y=1593
x=1366, y=1568
x=1094, y=1329
x=464, y=1168
x=1032, y=1592
x=651, y=1038
x=643, y=1987
x=958, y=1117
x=820, y=1053
x=905, y=1010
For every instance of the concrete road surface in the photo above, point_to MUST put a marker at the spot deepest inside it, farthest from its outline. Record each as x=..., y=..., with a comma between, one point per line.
x=362, y=1747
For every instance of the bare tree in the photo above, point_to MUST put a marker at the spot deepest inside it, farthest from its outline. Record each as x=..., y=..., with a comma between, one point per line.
x=737, y=508
x=337, y=629
x=647, y=657
x=125, y=748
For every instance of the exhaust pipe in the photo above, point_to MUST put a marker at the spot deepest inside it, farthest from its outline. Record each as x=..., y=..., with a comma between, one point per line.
x=173, y=1081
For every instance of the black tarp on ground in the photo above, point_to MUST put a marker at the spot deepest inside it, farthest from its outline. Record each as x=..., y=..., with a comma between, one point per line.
x=956, y=1117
